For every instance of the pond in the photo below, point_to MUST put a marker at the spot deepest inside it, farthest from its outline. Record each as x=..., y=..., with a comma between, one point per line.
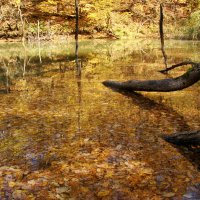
x=63, y=135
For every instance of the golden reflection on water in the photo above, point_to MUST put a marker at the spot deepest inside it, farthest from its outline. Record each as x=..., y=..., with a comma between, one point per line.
x=69, y=137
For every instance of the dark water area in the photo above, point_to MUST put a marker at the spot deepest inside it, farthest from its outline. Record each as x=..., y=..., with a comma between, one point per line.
x=63, y=135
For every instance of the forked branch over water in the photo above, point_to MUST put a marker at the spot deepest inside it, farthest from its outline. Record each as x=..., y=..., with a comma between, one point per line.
x=177, y=65
x=164, y=85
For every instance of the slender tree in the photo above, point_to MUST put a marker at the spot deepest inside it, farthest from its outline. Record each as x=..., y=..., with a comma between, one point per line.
x=162, y=35
x=18, y=2
x=77, y=19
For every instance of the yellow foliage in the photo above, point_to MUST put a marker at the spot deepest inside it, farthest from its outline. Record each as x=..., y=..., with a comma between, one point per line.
x=18, y=2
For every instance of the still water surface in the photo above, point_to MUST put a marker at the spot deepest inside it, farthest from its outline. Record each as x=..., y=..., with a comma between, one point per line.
x=63, y=135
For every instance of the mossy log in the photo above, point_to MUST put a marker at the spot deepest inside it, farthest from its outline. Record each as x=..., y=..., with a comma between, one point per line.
x=163, y=85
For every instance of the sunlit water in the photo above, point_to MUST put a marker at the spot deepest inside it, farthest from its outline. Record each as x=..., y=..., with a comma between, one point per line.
x=63, y=135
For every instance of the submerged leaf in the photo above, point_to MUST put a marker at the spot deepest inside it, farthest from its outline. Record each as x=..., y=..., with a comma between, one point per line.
x=168, y=194
x=103, y=193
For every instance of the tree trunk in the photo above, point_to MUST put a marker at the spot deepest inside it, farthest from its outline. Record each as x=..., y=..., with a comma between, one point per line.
x=77, y=19
x=162, y=35
x=164, y=85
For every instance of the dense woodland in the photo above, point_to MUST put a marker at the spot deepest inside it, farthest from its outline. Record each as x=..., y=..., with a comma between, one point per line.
x=98, y=19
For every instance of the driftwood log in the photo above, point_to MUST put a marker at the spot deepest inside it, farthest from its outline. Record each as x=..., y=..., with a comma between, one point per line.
x=187, y=138
x=163, y=85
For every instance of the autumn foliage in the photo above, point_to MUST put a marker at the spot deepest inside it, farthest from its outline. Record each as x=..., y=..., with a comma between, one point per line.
x=97, y=18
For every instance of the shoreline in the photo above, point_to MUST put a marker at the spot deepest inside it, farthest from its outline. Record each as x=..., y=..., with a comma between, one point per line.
x=61, y=37
x=91, y=37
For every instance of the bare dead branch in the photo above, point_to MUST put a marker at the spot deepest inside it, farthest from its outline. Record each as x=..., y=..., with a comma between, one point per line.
x=178, y=65
x=187, y=138
x=164, y=85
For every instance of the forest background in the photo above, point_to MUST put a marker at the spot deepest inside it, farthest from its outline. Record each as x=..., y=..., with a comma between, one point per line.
x=98, y=19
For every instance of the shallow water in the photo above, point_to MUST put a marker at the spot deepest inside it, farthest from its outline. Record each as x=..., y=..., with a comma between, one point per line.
x=63, y=135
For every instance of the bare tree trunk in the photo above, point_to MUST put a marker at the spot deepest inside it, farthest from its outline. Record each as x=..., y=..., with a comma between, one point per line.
x=78, y=67
x=77, y=19
x=23, y=24
x=162, y=36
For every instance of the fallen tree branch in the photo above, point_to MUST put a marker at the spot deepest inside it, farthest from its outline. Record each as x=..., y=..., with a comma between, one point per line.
x=187, y=138
x=177, y=65
x=164, y=85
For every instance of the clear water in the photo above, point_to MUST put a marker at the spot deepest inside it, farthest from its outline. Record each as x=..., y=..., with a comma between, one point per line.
x=63, y=135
